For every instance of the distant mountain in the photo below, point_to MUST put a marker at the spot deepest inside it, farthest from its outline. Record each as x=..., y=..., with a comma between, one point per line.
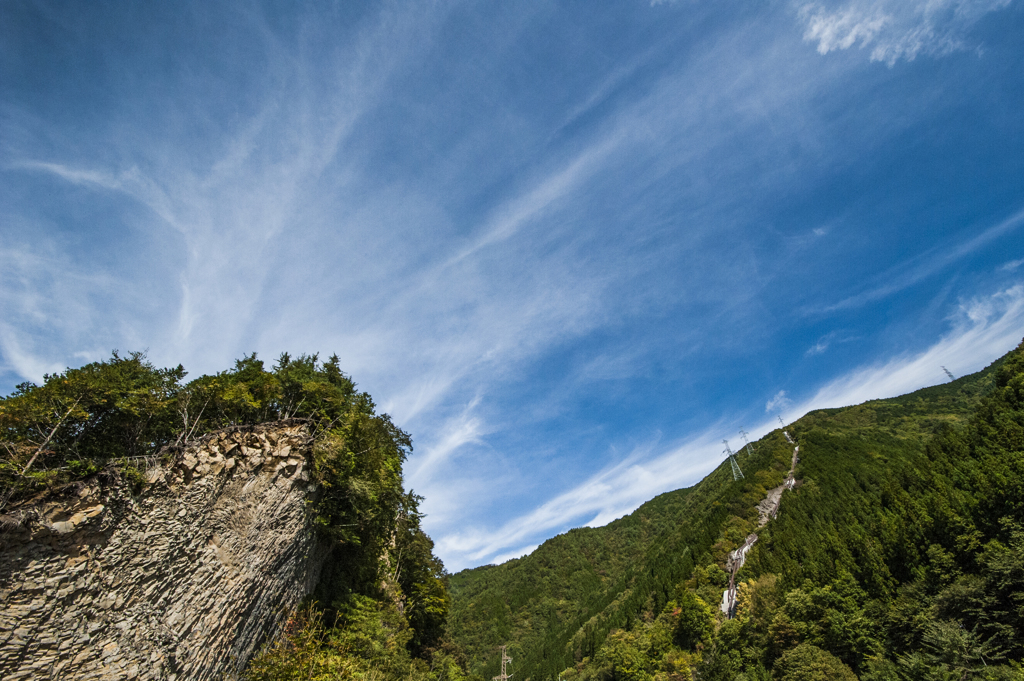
x=899, y=554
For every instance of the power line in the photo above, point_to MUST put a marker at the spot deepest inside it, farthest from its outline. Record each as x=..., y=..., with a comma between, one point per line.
x=949, y=373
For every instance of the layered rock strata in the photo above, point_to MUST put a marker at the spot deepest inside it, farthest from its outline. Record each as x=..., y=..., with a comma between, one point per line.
x=184, y=579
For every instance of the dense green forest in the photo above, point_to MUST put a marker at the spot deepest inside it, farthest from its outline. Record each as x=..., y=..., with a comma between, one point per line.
x=382, y=603
x=899, y=555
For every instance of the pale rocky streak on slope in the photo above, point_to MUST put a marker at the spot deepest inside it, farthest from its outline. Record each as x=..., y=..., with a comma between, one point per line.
x=769, y=506
x=183, y=581
x=767, y=509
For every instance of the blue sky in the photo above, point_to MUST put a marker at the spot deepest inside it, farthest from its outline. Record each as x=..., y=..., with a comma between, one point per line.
x=569, y=246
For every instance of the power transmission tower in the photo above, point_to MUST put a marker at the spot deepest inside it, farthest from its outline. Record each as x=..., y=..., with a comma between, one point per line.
x=949, y=373
x=736, y=472
x=505, y=659
x=750, y=450
x=783, y=426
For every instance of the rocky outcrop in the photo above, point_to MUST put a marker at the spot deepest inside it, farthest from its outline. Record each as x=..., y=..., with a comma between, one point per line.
x=184, y=579
x=767, y=509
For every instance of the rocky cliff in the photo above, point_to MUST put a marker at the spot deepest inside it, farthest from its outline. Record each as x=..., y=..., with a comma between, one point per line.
x=184, y=579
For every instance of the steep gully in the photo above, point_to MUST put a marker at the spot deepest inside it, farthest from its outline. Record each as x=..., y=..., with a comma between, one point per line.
x=767, y=510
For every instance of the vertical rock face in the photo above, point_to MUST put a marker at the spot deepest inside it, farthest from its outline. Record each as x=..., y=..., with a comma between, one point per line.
x=184, y=580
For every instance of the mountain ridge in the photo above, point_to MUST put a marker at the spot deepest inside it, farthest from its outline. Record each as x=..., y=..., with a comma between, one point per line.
x=556, y=613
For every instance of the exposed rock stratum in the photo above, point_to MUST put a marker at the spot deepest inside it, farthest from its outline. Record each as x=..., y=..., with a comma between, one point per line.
x=184, y=579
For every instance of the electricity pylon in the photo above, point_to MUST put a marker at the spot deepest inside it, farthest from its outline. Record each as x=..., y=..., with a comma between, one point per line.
x=505, y=659
x=783, y=426
x=750, y=450
x=736, y=472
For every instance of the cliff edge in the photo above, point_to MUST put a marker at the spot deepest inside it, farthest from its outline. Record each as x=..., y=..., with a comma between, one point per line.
x=184, y=579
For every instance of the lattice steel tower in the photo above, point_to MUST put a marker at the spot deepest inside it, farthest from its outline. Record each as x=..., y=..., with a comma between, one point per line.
x=736, y=472
x=504, y=675
x=749, y=448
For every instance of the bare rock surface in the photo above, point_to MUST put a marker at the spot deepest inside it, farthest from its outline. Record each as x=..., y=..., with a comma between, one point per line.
x=767, y=509
x=183, y=580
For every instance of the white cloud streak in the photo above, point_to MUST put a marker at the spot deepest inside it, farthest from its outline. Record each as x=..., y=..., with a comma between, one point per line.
x=606, y=495
x=777, y=403
x=818, y=348
x=512, y=215
x=894, y=29
x=43, y=292
x=454, y=434
x=908, y=273
x=260, y=181
x=983, y=329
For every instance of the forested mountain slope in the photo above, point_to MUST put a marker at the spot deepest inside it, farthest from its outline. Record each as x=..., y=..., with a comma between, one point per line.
x=899, y=555
x=567, y=578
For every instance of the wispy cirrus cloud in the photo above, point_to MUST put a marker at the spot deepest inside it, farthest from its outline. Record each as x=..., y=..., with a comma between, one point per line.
x=820, y=347
x=894, y=29
x=131, y=182
x=250, y=186
x=983, y=328
x=604, y=496
x=926, y=264
x=828, y=340
x=531, y=204
x=42, y=293
x=533, y=252
x=460, y=430
x=778, y=402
